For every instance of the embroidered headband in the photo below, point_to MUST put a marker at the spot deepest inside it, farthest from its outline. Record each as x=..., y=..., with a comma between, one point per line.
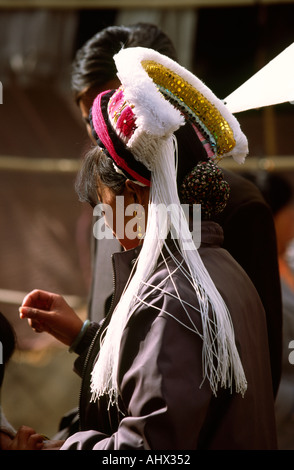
x=112, y=138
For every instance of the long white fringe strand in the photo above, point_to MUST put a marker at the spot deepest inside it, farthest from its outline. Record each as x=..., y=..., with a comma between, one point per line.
x=221, y=362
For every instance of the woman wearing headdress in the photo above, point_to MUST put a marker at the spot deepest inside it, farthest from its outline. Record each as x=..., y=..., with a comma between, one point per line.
x=180, y=362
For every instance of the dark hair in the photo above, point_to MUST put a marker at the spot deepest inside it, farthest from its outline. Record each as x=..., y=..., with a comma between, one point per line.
x=8, y=342
x=97, y=165
x=94, y=65
x=190, y=150
x=275, y=188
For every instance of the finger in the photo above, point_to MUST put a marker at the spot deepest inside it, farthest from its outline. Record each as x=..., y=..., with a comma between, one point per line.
x=39, y=320
x=36, y=326
x=21, y=439
x=33, y=313
x=39, y=299
x=35, y=442
x=33, y=296
x=25, y=431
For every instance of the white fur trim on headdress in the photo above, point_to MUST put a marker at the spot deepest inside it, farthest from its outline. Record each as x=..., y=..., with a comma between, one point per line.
x=157, y=115
x=156, y=118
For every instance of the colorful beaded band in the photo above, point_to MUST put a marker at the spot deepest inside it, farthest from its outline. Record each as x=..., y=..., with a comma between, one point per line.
x=194, y=105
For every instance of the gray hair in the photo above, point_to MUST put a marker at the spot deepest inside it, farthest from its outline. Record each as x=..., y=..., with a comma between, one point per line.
x=97, y=166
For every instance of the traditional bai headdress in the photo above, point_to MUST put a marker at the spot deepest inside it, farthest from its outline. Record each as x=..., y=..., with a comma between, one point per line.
x=135, y=126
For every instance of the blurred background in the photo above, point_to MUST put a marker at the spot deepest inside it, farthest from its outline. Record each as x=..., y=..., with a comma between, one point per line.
x=45, y=233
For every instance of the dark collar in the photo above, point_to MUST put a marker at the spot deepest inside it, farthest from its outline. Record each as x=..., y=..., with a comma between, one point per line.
x=123, y=262
x=211, y=235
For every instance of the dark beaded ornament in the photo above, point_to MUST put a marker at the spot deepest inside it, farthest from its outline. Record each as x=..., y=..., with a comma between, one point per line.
x=205, y=185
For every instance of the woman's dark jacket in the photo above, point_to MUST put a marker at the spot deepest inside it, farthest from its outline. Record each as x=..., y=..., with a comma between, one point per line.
x=164, y=403
x=249, y=236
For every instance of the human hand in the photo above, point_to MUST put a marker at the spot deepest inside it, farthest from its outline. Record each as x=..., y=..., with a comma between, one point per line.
x=51, y=313
x=26, y=438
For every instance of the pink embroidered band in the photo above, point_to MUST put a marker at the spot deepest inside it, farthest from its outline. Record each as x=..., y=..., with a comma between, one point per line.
x=105, y=133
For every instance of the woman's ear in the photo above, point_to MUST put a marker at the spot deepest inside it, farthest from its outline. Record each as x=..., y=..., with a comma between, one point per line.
x=134, y=193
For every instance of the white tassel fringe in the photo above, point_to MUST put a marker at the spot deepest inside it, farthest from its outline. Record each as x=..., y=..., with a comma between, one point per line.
x=221, y=362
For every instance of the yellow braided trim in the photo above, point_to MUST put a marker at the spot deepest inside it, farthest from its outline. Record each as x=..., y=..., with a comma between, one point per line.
x=200, y=106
